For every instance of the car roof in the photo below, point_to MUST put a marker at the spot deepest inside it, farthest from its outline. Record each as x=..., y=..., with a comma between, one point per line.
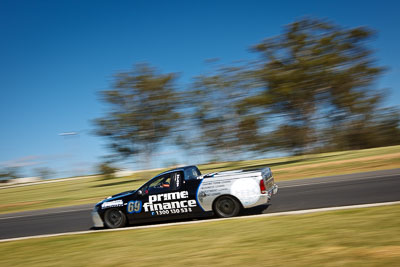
x=184, y=168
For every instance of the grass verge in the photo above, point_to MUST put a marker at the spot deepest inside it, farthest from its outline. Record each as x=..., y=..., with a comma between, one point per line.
x=357, y=237
x=91, y=190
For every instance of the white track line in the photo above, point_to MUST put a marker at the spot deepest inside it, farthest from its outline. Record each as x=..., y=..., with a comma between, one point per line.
x=209, y=220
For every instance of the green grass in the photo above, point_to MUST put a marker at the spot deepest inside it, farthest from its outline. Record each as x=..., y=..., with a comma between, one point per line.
x=357, y=237
x=94, y=189
x=324, y=164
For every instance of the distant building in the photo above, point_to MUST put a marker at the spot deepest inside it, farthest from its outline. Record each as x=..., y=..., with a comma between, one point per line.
x=23, y=180
x=123, y=173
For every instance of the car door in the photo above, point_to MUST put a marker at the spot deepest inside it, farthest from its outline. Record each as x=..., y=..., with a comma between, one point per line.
x=158, y=199
x=192, y=186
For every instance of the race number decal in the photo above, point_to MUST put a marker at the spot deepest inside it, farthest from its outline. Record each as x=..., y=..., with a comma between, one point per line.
x=134, y=206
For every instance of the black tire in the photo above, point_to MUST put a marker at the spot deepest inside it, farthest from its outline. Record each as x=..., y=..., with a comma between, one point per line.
x=226, y=206
x=114, y=218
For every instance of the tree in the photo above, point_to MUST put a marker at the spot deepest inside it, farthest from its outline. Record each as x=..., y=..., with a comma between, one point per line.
x=142, y=112
x=315, y=76
x=44, y=172
x=380, y=128
x=107, y=170
x=9, y=173
x=213, y=102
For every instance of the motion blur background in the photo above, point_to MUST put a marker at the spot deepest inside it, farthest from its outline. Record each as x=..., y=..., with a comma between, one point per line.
x=93, y=85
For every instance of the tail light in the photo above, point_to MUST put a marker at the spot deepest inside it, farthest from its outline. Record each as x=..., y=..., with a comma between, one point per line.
x=262, y=187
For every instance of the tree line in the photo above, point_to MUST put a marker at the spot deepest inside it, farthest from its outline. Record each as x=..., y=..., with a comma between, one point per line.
x=311, y=89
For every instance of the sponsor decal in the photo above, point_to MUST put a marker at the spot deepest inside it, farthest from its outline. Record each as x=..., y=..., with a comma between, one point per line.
x=202, y=195
x=112, y=204
x=177, y=180
x=214, y=188
x=169, y=203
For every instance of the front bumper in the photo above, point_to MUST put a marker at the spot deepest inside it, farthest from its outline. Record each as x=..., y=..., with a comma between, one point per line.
x=97, y=221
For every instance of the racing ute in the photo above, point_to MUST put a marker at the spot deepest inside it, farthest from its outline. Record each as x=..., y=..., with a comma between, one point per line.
x=185, y=193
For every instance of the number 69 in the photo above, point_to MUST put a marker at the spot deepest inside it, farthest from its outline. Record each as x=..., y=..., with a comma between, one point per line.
x=134, y=206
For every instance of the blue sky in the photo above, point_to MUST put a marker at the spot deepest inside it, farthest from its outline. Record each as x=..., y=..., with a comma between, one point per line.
x=55, y=56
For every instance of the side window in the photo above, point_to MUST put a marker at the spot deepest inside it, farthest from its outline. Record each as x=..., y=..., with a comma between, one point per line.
x=196, y=172
x=192, y=173
x=165, y=183
x=159, y=183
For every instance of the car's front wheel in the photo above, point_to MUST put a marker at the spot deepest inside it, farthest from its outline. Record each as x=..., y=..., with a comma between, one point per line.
x=226, y=206
x=114, y=218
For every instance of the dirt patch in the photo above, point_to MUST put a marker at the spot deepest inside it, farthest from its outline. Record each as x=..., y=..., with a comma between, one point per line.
x=331, y=249
x=380, y=252
x=90, y=200
x=19, y=204
x=374, y=252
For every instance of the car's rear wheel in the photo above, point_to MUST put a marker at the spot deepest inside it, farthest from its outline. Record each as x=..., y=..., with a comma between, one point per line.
x=226, y=206
x=114, y=218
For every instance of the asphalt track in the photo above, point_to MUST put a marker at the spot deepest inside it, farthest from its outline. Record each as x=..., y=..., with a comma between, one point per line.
x=360, y=188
